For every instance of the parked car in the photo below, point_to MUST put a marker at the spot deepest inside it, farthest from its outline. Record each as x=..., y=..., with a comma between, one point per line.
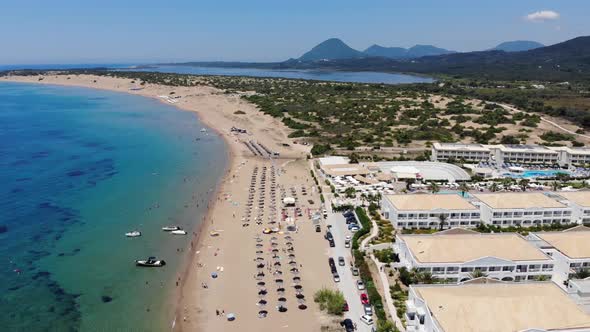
x=341, y=261
x=354, y=228
x=364, y=299
x=367, y=319
x=360, y=285
x=347, y=324
x=332, y=244
x=355, y=271
x=368, y=310
x=352, y=225
x=329, y=236
x=345, y=306
x=336, y=277
x=347, y=213
x=347, y=244
x=318, y=229
x=331, y=262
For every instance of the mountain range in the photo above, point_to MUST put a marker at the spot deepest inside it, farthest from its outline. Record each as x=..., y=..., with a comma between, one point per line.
x=336, y=49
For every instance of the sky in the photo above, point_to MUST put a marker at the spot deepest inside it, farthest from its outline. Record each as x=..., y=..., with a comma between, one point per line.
x=132, y=31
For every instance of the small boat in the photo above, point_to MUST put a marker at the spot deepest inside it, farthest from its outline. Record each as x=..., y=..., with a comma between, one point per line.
x=133, y=234
x=179, y=232
x=150, y=262
x=170, y=228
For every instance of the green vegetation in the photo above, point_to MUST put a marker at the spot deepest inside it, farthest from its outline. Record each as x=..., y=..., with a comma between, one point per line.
x=330, y=300
x=384, y=255
x=366, y=227
x=399, y=297
x=365, y=274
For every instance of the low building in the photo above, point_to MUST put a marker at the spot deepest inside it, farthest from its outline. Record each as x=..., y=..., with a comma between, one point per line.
x=522, y=209
x=457, y=151
x=456, y=255
x=488, y=306
x=425, y=211
x=579, y=201
x=504, y=153
x=570, y=250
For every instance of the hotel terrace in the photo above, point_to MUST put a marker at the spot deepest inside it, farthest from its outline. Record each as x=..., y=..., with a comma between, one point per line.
x=423, y=211
x=570, y=249
x=483, y=305
x=579, y=201
x=453, y=255
x=522, y=209
x=499, y=154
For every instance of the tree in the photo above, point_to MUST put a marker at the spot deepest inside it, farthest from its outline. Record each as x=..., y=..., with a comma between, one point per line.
x=463, y=187
x=350, y=192
x=442, y=218
x=555, y=185
x=523, y=184
x=477, y=274
x=409, y=182
x=354, y=158
x=386, y=326
x=434, y=187
x=330, y=300
x=542, y=278
x=494, y=187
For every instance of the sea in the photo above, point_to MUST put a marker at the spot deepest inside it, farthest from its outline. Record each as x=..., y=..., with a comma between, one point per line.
x=78, y=169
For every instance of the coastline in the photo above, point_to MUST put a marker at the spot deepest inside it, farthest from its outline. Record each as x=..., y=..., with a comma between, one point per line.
x=217, y=111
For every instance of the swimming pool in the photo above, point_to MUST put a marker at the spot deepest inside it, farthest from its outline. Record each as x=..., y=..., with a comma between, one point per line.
x=536, y=174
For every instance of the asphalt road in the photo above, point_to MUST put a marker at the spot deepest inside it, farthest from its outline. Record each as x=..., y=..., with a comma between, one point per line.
x=347, y=284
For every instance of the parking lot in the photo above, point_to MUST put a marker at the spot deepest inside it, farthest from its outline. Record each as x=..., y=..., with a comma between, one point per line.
x=347, y=284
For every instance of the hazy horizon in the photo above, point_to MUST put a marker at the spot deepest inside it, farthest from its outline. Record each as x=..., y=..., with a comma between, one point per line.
x=66, y=31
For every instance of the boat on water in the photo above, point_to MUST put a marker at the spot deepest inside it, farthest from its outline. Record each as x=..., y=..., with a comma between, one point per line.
x=179, y=232
x=133, y=234
x=150, y=262
x=170, y=228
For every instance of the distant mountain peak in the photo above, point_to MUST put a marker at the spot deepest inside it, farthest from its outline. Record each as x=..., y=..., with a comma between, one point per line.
x=517, y=46
x=331, y=49
x=415, y=51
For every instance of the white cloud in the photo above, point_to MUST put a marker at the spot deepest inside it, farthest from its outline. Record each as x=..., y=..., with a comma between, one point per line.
x=542, y=16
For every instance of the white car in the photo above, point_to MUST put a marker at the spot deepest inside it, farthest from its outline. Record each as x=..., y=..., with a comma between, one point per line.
x=367, y=319
x=347, y=238
x=360, y=285
x=354, y=229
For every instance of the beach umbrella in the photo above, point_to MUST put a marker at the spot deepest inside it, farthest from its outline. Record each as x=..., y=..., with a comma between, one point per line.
x=277, y=264
x=291, y=256
x=282, y=299
x=300, y=296
x=279, y=281
x=263, y=292
x=302, y=306
x=231, y=317
x=282, y=308
x=262, y=313
x=261, y=283
x=293, y=263
x=298, y=287
x=260, y=266
x=261, y=302
x=281, y=290
x=214, y=275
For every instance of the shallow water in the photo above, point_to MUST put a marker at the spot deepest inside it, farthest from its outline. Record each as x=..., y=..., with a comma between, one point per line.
x=78, y=169
x=321, y=75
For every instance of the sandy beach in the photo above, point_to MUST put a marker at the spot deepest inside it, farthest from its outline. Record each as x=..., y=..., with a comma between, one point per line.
x=256, y=273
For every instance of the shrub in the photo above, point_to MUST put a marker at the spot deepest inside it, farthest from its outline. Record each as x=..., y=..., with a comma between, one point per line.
x=330, y=300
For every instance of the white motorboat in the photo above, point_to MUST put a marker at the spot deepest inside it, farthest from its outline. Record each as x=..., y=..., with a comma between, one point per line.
x=179, y=232
x=133, y=234
x=170, y=228
x=150, y=262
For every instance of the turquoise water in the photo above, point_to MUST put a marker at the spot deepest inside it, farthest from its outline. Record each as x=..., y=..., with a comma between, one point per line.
x=537, y=174
x=454, y=192
x=322, y=75
x=78, y=169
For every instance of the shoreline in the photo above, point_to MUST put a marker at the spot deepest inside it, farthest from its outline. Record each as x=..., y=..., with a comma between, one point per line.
x=216, y=111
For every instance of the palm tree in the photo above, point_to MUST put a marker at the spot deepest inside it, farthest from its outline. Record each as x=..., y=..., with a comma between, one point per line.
x=477, y=274
x=442, y=218
x=426, y=278
x=542, y=278
x=434, y=187
x=523, y=184
x=494, y=187
x=555, y=185
x=463, y=187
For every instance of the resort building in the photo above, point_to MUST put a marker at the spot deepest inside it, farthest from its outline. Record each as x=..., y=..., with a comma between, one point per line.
x=579, y=201
x=505, y=153
x=484, y=305
x=522, y=209
x=570, y=250
x=458, y=255
x=457, y=151
x=427, y=210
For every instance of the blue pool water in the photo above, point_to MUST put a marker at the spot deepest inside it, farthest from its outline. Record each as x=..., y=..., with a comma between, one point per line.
x=537, y=174
x=78, y=169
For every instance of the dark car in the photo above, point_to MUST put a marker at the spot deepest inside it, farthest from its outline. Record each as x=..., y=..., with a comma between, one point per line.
x=345, y=306
x=329, y=236
x=318, y=229
x=332, y=244
x=331, y=262
x=347, y=324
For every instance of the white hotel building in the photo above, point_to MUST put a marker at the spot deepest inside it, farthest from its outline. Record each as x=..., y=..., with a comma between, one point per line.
x=484, y=305
x=455, y=254
x=569, y=249
x=524, y=209
x=423, y=211
x=503, y=153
